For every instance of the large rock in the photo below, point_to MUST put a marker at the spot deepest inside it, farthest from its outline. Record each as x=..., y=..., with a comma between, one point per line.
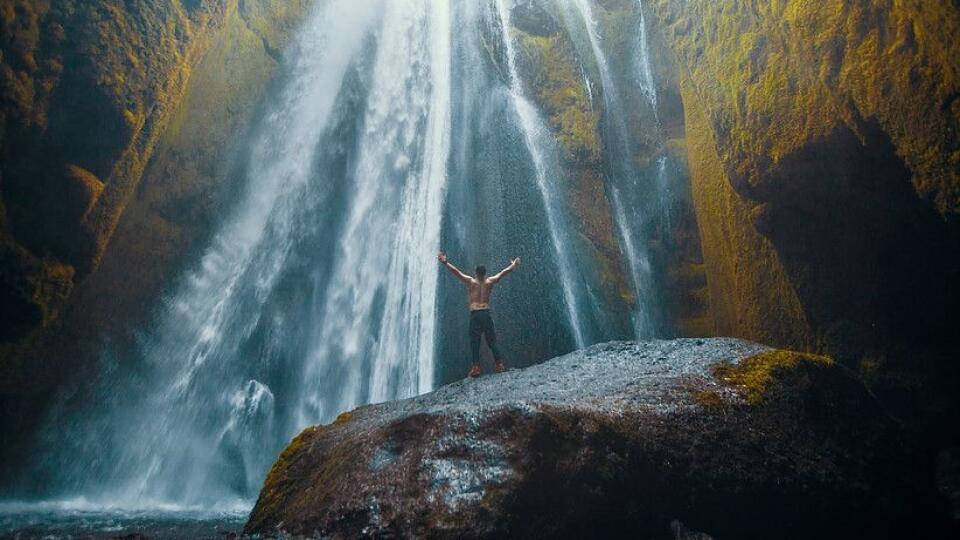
x=718, y=435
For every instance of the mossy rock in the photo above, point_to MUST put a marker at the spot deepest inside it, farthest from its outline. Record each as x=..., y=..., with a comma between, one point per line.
x=757, y=377
x=81, y=190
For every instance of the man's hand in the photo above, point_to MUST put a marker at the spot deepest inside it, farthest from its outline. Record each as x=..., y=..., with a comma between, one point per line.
x=515, y=261
x=442, y=257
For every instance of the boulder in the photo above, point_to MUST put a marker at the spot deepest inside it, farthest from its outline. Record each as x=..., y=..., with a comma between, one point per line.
x=649, y=440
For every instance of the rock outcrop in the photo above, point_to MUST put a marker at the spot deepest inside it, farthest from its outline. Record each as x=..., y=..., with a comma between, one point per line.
x=558, y=65
x=824, y=143
x=87, y=89
x=633, y=439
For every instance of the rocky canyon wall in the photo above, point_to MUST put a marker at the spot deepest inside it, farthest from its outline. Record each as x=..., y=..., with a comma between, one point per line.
x=824, y=142
x=88, y=88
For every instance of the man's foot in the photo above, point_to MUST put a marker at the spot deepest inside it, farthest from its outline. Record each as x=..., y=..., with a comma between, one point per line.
x=500, y=368
x=474, y=371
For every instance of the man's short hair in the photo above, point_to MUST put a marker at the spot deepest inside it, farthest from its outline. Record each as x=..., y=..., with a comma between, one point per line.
x=481, y=270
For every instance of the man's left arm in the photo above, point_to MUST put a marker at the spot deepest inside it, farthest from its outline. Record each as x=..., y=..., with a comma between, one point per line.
x=514, y=263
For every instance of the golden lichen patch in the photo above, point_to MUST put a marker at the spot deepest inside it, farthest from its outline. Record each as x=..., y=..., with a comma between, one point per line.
x=754, y=376
x=271, y=495
x=709, y=398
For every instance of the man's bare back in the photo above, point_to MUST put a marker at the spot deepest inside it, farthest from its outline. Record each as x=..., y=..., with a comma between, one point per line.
x=479, y=288
x=478, y=294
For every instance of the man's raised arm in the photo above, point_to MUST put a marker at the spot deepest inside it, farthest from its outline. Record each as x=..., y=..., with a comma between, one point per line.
x=442, y=257
x=515, y=262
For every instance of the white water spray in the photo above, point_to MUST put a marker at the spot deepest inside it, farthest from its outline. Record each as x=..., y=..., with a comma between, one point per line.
x=645, y=72
x=318, y=290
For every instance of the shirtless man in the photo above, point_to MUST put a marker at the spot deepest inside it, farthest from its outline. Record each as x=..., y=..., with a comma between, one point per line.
x=478, y=295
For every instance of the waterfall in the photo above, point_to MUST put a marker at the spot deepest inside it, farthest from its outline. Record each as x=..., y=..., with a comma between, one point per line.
x=623, y=174
x=319, y=290
x=645, y=72
x=533, y=133
x=388, y=290
x=663, y=190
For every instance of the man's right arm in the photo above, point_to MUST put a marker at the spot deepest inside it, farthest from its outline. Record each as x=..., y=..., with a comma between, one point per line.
x=442, y=257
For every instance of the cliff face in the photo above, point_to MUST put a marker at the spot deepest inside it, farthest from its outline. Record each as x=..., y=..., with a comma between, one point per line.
x=87, y=88
x=824, y=143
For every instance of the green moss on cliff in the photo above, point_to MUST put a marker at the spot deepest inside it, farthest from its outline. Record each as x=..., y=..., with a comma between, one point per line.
x=560, y=90
x=750, y=293
x=805, y=119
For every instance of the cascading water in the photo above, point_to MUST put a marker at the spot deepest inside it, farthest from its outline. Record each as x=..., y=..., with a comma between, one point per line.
x=622, y=175
x=644, y=70
x=396, y=129
x=533, y=133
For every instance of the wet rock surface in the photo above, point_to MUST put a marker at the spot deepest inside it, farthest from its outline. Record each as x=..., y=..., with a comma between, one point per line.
x=655, y=439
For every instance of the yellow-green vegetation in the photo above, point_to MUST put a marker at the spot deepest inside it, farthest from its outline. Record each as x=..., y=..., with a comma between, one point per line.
x=25, y=78
x=86, y=186
x=560, y=90
x=271, y=495
x=750, y=293
x=755, y=376
x=774, y=77
x=296, y=463
x=765, y=83
x=709, y=399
